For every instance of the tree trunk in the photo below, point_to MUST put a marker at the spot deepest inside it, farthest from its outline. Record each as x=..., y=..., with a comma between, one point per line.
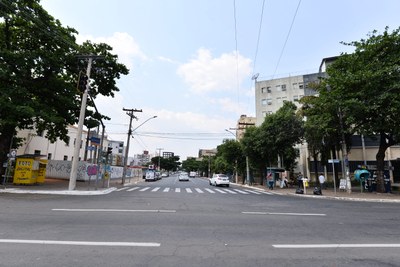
x=380, y=164
x=315, y=155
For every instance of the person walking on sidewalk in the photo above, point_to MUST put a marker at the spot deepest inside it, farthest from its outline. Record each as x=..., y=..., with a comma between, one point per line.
x=300, y=180
x=321, y=179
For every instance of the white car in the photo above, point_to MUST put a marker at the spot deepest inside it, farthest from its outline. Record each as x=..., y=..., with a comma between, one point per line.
x=219, y=179
x=183, y=177
x=150, y=176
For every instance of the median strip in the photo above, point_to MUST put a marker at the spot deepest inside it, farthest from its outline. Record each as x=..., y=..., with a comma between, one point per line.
x=339, y=246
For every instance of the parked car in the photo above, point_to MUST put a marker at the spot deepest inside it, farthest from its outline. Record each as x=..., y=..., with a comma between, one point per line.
x=183, y=177
x=219, y=179
x=150, y=176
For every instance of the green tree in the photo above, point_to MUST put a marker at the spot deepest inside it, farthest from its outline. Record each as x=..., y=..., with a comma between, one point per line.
x=231, y=151
x=39, y=69
x=365, y=87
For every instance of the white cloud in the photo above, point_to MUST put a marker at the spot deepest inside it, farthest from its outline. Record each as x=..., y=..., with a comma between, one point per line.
x=205, y=73
x=228, y=105
x=123, y=44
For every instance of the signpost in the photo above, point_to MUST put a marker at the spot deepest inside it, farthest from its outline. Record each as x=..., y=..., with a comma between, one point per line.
x=333, y=161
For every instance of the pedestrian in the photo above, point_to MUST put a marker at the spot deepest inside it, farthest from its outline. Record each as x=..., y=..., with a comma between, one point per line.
x=321, y=179
x=270, y=181
x=300, y=180
x=284, y=182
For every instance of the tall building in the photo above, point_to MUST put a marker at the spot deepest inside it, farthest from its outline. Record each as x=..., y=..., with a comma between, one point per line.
x=270, y=94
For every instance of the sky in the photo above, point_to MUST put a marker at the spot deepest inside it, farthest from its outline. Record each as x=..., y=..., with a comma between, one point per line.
x=191, y=62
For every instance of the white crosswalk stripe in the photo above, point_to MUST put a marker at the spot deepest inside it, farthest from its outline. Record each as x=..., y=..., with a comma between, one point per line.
x=252, y=191
x=144, y=189
x=219, y=190
x=194, y=190
x=230, y=191
x=121, y=189
x=209, y=190
x=241, y=191
x=133, y=188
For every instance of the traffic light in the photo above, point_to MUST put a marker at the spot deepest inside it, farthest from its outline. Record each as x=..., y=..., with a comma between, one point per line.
x=109, y=150
x=83, y=79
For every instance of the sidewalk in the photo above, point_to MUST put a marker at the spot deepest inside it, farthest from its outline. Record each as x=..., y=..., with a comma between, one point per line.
x=60, y=187
x=355, y=195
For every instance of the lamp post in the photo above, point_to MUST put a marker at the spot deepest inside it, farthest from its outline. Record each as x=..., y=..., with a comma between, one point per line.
x=236, y=171
x=127, y=144
x=159, y=158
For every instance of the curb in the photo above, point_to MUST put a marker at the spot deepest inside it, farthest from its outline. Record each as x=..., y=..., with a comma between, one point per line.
x=60, y=192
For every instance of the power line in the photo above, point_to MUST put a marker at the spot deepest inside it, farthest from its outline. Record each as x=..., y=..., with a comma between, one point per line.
x=237, y=55
x=258, y=37
x=287, y=37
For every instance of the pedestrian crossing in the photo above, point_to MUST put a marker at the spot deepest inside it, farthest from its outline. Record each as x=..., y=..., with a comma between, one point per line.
x=195, y=190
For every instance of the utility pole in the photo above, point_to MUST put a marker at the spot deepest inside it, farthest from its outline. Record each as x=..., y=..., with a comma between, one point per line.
x=75, y=159
x=245, y=124
x=159, y=158
x=129, y=112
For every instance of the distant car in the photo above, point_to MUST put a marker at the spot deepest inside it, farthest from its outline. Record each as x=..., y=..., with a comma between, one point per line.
x=150, y=176
x=164, y=174
x=219, y=179
x=183, y=177
x=192, y=174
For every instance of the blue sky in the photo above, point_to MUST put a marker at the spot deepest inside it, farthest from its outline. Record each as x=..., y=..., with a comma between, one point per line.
x=189, y=68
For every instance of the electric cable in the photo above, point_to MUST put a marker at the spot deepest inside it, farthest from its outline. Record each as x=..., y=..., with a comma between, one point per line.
x=287, y=38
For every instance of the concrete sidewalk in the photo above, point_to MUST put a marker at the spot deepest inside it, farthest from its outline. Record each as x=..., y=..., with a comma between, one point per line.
x=355, y=195
x=60, y=187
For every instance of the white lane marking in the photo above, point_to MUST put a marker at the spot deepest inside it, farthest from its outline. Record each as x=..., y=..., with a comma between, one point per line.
x=115, y=210
x=339, y=246
x=177, y=190
x=230, y=191
x=144, y=189
x=199, y=190
x=252, y=191
x=219, y=190
x=134, y=188
x=81, y=243
x=241, y=191
x=166, y=189
x=282, y=213
x=121, y=189
x=155, y=189
x=209, y=190
x=189, y=190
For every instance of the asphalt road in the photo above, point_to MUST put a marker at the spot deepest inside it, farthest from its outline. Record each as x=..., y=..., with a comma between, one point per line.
x=172, y=223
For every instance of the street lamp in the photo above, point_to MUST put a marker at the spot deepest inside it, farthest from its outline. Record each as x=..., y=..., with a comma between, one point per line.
x=127, y=147
x=236, y=171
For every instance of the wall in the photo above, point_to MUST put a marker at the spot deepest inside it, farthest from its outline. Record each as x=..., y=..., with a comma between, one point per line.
x=61, y=169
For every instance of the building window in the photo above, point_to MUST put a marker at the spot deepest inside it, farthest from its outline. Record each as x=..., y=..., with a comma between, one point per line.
x=283, y=87
x=269, y=89
x=263, y=90
x=296, y=98
x=279, y=100
x=295, y=86
x=65, y=157
x=301, y=86
x=269, y=101
x=263, y=102
x=49, y=156
x=264, y=114
x=278, y=88
x=36, y=152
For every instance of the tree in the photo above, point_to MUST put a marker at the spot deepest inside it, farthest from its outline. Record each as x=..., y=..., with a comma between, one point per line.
x=39, y=71
x=365, y=87
x=231, y=151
